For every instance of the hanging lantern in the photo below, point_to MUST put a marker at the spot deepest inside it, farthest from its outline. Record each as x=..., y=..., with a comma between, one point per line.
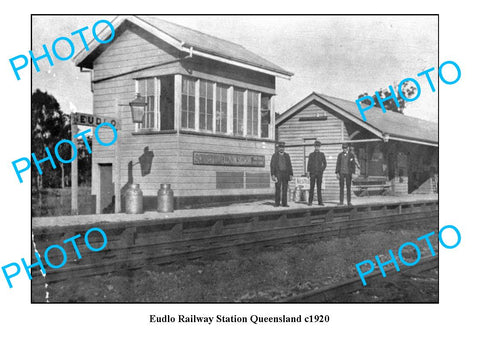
x=137, y=107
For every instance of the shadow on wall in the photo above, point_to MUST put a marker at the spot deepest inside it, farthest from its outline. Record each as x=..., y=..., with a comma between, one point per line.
x=145, y=161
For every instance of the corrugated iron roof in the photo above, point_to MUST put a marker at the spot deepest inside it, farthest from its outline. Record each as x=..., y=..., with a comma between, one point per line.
x=391, y=123
x=186, y=39
x=211, y=44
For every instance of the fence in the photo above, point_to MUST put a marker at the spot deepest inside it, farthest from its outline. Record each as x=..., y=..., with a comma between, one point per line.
x=57, y=202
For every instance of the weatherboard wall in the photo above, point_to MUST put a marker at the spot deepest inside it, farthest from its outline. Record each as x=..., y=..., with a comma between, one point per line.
x=310, y=123
x=134, y=54
x=131, y=50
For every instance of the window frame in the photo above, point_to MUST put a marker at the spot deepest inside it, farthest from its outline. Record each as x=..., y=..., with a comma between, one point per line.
x=230, y=92
x=270, y=116
x=214, y=85
x=237, y=91
x=219, y=86
x=255, y=105
x=156, y=104
x=195, y=82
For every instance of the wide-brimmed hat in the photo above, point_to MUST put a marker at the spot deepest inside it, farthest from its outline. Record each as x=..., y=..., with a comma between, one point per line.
x=281, y=144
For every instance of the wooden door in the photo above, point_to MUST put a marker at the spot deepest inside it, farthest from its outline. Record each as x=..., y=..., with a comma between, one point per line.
x=106, y=186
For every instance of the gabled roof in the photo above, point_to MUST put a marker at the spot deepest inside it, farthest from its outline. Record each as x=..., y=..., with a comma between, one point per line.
x=193, y=42
x=391, y=124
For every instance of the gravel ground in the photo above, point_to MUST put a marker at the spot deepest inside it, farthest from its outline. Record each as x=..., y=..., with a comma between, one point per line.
x=397, y=287
x=257, y=276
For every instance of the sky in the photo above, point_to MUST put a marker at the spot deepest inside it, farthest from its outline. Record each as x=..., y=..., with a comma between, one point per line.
x=340, y=56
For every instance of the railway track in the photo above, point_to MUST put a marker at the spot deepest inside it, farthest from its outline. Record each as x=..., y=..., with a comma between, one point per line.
x=403, y=286
x=134, y=245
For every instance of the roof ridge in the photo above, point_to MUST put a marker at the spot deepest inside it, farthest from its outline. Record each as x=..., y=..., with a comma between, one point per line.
x=389, y=111
x=394, y=124
x=202, y=44
x=188, y=28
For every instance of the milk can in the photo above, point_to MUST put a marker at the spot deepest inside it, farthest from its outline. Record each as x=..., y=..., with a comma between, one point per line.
x=297, y=194
x=305, y=194
x=134, y=199
x=291, y=192
x=165, y=198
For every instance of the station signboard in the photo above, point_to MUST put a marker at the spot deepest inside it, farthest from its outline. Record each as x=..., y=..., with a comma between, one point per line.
x=92, y=120
x=224, y=159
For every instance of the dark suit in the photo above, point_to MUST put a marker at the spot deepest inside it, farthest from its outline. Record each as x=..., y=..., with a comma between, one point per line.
x=282, y=169
x=316, y=165
x=345, y=174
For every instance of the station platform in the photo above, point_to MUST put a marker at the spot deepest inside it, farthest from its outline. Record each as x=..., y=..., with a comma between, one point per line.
x=153, y=238
x=234, y=210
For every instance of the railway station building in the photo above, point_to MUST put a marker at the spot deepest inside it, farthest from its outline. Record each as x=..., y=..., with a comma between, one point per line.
x=208, y=128
x=397, y=154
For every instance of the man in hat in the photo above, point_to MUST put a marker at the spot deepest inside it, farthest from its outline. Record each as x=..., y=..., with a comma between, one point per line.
x=315, y=168
x=281, y=171
x=344, y=170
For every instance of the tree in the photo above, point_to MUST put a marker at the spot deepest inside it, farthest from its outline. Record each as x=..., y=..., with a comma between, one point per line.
x=84, y=162
x=408, y=90
x=49, y=125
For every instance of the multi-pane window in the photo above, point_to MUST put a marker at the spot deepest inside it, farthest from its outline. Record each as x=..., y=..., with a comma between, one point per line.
x=159, y=97
x=148, y=88
x=188, y=103
x=252, y=113
x=221, y=117
x=266, y=112
x=206, y=105
x=215, y=107
x=238, y=110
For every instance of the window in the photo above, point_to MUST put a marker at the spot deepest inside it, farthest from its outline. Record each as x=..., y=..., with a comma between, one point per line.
x=238, y=109
x=206, y=105
x=188, y=103
x=167, y=102
x=159, y=96
x=148, y=88
x=266, y=115
x=221, y=117
x=252, y=113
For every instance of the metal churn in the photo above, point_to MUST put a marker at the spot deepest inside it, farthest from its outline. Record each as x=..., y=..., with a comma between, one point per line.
x=134, y=199
x=165, y=199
